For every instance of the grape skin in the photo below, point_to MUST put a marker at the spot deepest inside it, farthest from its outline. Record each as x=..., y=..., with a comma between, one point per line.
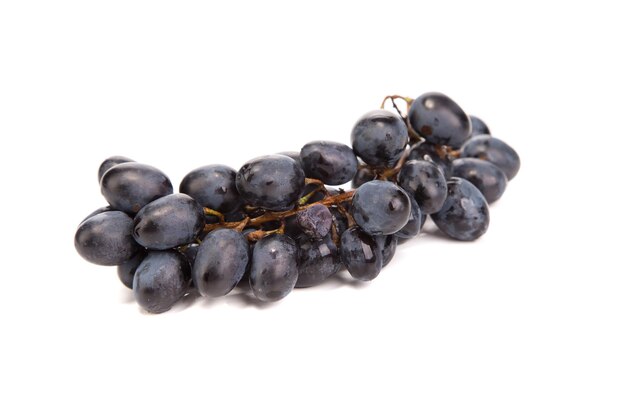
x=361, y=254
x=161, y=280
x=363, y=174
x=478, y=127
x=274, y=271
x=111, y=162
x=213, y=186
x=427, y=151
x=131, y=185
x=487, y=177
x=317, y=260
x=381, y=207
x=439, y=120
x=414, y=225
x=106, y=238
x=221, y=262
x=315, y=221
x=465, y=213
x=331, y=162
x=495, y=151
x=273, y=182
x=425, y=182
x=168, y=222
x=379, y=138
x=126, y=271
x=387, y=245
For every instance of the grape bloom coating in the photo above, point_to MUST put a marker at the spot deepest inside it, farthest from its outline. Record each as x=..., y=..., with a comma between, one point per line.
x=277, y=223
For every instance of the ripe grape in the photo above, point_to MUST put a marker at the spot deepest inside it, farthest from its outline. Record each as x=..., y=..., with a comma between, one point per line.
x=161, y=280
x=379, y=138
x=331, y=162
x=273, y=182
x=414, y=225
x=363, y=174
x=315, y=221
x=168, y=222
x=221, y=262
x=428, y=152
x=126, y=271
x=381, y=207
x=465, y=213
x=274, y=269
x=478, y=127
x=317, y=260
x=495, y=151
x=361, y=254
x=387, y=245
x=131, y=185
x=213, y=186
x=487, y=177
x=425, y=182
x=106, y=238
x=439, y=120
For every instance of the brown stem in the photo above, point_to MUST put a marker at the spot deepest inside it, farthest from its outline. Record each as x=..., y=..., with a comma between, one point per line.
x=391, y=172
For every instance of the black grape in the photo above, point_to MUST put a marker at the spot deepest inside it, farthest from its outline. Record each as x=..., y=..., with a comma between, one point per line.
x=495, y=151
x=293, y=155
x=161, y=280
x=273, y=182
x=387, y=245
x=361, y=254
x=170, y=221
x=98, y=211
x=487, y=177
x=379, y=138
x=221, y=262
x=317, y=260
x=363, y=174
x=465, y=213
x=131, y=185
x=106, y=238
x=274, y=269
x=331, y=162
x=111, y=162
x=213, y=186
x=126, y=271
x=414, y=225
x=315, y=221
x=439, y=120
x=381, y=207
x=425, y=182
x=428, y=152
x=478, y=127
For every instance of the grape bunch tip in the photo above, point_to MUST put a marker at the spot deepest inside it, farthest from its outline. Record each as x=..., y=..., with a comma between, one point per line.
x=277, y=223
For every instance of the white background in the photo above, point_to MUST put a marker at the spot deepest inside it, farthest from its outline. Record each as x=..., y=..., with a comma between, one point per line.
x=528, y=321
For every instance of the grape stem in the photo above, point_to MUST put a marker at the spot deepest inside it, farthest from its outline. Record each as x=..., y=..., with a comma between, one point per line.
x=270, y=216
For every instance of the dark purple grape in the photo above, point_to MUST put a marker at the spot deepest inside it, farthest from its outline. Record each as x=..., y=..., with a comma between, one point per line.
x=381, y=207
x=111, y=162
x=428, y=152
x=131, y=185
x=126, y=271
x=161, y=280
x=361, y=254
x=478, y=127
x=465, y=213
x=315, y=221
x=487, y=177
x=274, y=269
x=273, y=182
x=439, y=120
x=363, y=174
x=495, y=151
x=293, y=155
x=379, y=138
x=414, y=225
x=387, y=245
x=106, y=238
x=221, y=262
x=213, y=186
x=331, y=162
x=317, y=260
x=425, y=182
x=168, y=222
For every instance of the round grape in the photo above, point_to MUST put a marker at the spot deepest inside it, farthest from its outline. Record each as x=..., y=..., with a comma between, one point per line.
x=273, y=182
x=317, y=260
x=363, y=174
x=131, y=185
x=213, y=186
x=274, y=269
x=361, y=254
x=487, y=177
x=465, y=213
x=478, y=127
x=387, y=245
x=315, y=221
x=111, y=162
x=381, y=207
x=106, y=238
x=439, y=120
x=414, y=225
x=126, y=271
x=495, y=151
x=425, y=182
x=331, y=162
x=379, y=138
x=221, y=262
x=168, y=222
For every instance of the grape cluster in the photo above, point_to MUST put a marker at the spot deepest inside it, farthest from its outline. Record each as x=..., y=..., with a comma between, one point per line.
x=276, y=224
